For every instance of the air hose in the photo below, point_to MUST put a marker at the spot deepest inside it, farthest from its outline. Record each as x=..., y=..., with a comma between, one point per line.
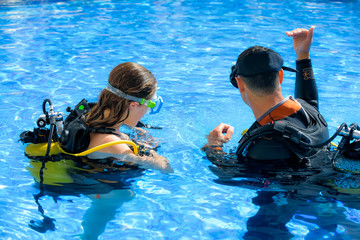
x=340, y=128
x=84, y=153
x=47, y=223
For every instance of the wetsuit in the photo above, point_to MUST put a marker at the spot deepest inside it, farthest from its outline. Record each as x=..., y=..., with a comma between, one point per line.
x=301, y=115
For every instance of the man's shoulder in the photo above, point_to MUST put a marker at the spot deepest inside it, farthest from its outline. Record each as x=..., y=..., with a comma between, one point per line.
x=311, y=105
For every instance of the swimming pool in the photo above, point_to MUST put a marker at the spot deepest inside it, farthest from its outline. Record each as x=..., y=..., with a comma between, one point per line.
x=64, y=50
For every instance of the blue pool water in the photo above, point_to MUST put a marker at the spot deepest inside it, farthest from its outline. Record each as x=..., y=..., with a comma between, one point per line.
x=64, y=50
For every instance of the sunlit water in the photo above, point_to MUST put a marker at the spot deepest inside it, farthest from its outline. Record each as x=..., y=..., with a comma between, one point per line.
x=64, y=50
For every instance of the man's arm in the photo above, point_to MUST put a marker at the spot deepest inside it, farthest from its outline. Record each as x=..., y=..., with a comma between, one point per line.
x=219, y=135
x=305, y=86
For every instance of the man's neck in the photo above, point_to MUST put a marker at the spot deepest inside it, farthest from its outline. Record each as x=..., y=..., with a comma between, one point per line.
x=260, y=105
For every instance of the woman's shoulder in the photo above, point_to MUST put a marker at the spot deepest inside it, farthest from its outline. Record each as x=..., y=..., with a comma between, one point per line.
x=97, y=139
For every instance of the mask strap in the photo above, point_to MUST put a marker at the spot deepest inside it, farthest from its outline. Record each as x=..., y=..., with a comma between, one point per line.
x=121, y=94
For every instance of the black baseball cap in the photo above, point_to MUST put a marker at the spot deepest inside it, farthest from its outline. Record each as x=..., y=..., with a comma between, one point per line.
x=258, y=62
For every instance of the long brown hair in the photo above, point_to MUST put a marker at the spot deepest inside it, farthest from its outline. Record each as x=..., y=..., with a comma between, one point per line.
x=132, y=79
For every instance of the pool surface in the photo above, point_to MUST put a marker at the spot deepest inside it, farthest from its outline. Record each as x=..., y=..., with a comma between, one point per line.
x=64, y=51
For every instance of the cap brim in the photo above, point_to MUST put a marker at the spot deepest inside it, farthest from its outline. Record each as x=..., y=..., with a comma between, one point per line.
x=289, y=69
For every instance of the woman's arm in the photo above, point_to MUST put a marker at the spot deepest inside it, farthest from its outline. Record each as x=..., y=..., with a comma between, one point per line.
x=123, y=153
x=153, y=161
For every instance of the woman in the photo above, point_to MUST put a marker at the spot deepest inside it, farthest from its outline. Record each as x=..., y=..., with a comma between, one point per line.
x=129, y=95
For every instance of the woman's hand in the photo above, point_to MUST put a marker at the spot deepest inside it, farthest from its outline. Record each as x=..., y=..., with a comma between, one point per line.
x=161, y=163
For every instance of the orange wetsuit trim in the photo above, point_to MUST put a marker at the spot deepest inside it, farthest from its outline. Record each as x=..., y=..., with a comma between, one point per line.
x=284, y=110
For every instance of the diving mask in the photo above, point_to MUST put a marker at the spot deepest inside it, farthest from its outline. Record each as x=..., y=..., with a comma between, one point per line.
x=154, y=104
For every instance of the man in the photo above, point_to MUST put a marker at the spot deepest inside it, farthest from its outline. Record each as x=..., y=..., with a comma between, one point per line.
x=285, y=129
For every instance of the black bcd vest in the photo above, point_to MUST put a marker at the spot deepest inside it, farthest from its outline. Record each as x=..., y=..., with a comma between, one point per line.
x=282, y=139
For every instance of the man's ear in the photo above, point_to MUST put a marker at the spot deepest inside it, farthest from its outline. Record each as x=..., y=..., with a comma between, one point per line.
x=281, y=76
x=240, y=83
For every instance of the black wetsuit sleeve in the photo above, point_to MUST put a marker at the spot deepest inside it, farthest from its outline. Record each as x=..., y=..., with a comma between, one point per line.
x=305, y=86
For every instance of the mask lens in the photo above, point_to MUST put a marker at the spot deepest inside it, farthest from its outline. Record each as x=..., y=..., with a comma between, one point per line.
x=158, y=104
